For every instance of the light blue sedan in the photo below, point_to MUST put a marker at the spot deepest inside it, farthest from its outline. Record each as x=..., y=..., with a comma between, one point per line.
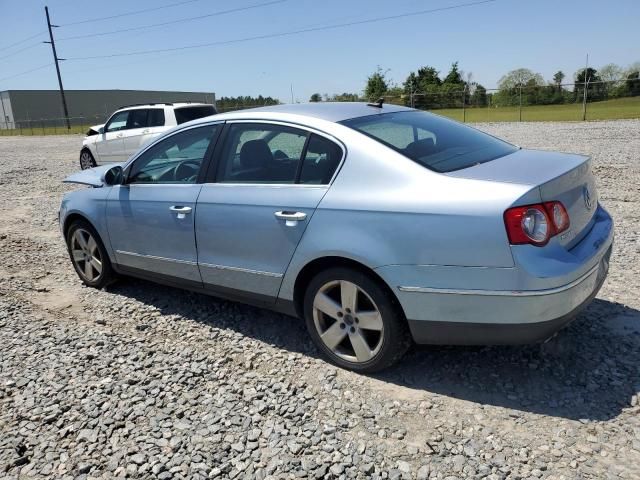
x=378, y=224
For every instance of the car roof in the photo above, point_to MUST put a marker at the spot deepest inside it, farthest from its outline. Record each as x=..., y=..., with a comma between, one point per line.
x=329, y=111
x=163, y=105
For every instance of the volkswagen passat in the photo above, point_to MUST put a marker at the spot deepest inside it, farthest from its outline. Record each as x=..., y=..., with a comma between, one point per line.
x=376, y=224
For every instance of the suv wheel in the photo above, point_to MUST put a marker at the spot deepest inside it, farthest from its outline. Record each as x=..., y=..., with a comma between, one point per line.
x=86, y=160
x=354, y=321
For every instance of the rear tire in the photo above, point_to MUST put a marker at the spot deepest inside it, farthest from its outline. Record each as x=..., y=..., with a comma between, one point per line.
x=354, y=321
x=88, y=255
x=86, y=159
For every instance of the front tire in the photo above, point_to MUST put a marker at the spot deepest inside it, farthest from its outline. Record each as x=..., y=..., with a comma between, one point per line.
x=354, y=321
x=86, y=159
x=88, y=255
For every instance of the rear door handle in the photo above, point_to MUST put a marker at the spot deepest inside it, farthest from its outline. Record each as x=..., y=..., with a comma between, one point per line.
x=181, y=211
x=291, y=218
x=145, y=131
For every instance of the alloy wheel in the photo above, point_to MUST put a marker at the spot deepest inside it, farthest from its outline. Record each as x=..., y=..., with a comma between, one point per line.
x=86, y=255
x=348, y=321
x=86, y=160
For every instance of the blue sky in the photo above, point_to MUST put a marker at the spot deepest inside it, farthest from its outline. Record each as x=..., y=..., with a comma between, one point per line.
x=488, y=40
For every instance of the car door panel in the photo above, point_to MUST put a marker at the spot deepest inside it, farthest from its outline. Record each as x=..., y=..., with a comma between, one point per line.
x=147, y=234
x=151, y=217
x=242, y=245
x=133, y=140
x=110, y=147
x=137, y=127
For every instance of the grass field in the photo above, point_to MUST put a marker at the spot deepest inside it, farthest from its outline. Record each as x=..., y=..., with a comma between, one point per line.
x=606, y=110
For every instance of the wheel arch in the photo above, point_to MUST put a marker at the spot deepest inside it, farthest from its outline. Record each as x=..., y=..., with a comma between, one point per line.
x=72, y=217
x=317, y=265
x=87, y=148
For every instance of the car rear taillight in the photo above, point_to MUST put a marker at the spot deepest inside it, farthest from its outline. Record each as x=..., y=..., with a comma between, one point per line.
x=535, y=224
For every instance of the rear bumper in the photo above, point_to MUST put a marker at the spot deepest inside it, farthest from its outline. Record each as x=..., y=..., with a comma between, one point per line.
x=524, y=304
x=574, y=298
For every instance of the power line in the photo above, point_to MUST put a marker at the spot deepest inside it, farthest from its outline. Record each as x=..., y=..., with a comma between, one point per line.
x=7, y=47
x=136, y=12
x=285, y=34
x=26, y=71
x=22, y=50
x=181, y=20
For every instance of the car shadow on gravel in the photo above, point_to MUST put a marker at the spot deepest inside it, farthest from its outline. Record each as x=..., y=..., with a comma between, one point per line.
x=589, y=371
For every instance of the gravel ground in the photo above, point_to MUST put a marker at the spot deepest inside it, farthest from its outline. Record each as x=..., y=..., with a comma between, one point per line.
x=144, y=381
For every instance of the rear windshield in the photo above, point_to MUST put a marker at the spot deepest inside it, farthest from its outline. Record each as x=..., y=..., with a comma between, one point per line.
x=186, y=114
x=434, y=142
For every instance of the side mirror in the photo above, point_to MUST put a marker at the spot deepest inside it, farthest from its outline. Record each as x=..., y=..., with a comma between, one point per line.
x=113, y=176
x=101, y=130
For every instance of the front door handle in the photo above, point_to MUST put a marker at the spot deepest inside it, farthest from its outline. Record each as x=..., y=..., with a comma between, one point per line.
x=291, y=218
x=119, y=135
x=180, y=210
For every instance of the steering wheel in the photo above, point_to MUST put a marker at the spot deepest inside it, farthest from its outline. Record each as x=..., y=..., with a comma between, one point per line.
x=186, y=171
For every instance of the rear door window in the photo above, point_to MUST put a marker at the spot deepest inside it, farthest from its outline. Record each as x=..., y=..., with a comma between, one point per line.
x=320, y=161
x=261, y=153
x=156, y=117
x=186, y=114
x=137, y=118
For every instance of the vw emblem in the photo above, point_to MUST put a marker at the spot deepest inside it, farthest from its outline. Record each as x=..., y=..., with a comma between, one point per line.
x=588, y=201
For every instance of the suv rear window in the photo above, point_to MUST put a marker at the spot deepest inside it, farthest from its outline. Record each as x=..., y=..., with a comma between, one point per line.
x=434, y=142
x=186, y=114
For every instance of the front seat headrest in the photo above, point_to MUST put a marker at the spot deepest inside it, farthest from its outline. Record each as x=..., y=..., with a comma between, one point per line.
x=255, y=154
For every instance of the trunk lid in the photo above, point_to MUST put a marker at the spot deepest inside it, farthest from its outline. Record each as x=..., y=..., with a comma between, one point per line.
x=559, y=176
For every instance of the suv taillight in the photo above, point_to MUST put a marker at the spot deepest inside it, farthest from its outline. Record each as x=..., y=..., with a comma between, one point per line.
x=535, y=224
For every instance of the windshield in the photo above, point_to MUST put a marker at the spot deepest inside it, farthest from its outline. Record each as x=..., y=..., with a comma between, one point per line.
x=434, y=142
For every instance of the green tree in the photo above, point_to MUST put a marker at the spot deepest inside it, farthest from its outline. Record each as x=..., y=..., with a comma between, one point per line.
x=633, y=84
x=377, y=85
x=613, y=76
x=478, y=96
x=454, y=76
x=396, y=95
x=558, y=77
x=589, y=77
x=515, y=83
x=426, y=84
x=224, y=104
x=345, y=97
x=519, y=78
x=316, y=97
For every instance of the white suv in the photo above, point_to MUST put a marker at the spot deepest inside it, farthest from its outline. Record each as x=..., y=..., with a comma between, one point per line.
x=129, y=128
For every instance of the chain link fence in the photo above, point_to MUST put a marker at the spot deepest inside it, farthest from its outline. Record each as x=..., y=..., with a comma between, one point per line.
x=50, y=126
x=558, y=102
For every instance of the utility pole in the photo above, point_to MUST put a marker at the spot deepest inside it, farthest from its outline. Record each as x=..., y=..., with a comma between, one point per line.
x=56, y=59
x=585, y=86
